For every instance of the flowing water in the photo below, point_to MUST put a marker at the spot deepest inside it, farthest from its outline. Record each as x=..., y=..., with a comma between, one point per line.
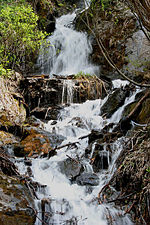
x=67, y=202
x=69, y=50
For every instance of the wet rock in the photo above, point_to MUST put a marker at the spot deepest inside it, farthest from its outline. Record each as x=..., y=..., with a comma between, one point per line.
x=46, y=95
x=27, y=162
x=94, y=135
x=115, y=100
x=33, y=121
x=47, y=113
x=70, y=168
x=77, y=121
x=101, y=161
x=142, y=112
x=90, y=179
x=14, y=199
x=37, y=141
x=6, y=165
x=7, y=138
x=101, y=156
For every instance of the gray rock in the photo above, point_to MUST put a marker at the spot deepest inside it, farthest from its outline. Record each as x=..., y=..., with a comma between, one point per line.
x=70, y=168
x=90, y=179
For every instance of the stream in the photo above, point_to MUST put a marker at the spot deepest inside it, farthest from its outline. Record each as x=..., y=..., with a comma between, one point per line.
x=67, y=202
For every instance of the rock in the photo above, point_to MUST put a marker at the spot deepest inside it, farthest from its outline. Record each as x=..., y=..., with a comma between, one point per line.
x=27, y=162
x=47, y=95
x=6, y=165
x=101, y=155
x=37, y=141
x=115, y=100
x=141, y=114
x=34, y=122
x=7, y=139
x=77, y=121
x=50, y=113
x=90, y=179
x=94, y=135
x=101, y=161
x=14, y=199
x=70, y=168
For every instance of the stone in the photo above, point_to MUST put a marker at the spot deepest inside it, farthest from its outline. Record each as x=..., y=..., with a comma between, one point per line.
x=114, y=101
x=48, y=95
x=37, y=141
x=94, y=135
x=90, y=179
x=70, y=168
x=100, y=161
x=14, y=199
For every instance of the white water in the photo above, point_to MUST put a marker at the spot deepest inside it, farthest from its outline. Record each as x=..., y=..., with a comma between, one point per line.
x=71, y=204
x=68, y=52
x=68, y=89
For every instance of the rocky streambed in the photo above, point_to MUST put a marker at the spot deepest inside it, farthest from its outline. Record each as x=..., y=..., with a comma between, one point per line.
x=75, y=149
x=28, y=138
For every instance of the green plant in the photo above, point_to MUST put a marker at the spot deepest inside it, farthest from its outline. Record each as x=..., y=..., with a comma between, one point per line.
x=19, y=35
x=81, y=74
x=148, y=170
x=5, y=72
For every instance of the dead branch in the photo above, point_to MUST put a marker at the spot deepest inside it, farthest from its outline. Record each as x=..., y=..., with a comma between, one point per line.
x=138, y=104
x=73, y=159
x=99, y=194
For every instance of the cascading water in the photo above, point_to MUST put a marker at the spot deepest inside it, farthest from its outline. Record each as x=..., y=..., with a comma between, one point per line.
x=68, y=52
x=66, y=202
x=68, y=88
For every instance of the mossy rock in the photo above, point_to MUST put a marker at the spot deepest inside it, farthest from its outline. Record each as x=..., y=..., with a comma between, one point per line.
x=7, y=138
x=14, y=199
x=36, y=141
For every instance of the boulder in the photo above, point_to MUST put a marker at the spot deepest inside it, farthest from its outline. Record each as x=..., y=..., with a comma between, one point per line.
x=114, y=101
x=37, y=141
x=142, y=112
x=7, y=139
x=14, y=201
x=12, y=110
x=90, y=179
x=94, y=135
x=70, y=168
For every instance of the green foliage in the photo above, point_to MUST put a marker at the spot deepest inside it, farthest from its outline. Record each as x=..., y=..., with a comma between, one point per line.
x=148, y=170
x=83, y=75
x=5, y=72
x=19, y=35
x=104, y=4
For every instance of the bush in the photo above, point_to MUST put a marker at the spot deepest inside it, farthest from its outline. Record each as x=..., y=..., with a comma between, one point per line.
x=19, y=36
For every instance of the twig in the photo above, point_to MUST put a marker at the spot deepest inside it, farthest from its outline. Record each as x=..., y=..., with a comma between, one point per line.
x=103, y=188
x=128, y=210
x=72, y=159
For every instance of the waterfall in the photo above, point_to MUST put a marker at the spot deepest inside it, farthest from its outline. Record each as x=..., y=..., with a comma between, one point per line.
x=65, y=202
x=68, y=51
x=68, y=89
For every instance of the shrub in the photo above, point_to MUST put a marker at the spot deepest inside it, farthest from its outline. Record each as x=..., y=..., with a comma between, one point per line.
x=19, y=36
